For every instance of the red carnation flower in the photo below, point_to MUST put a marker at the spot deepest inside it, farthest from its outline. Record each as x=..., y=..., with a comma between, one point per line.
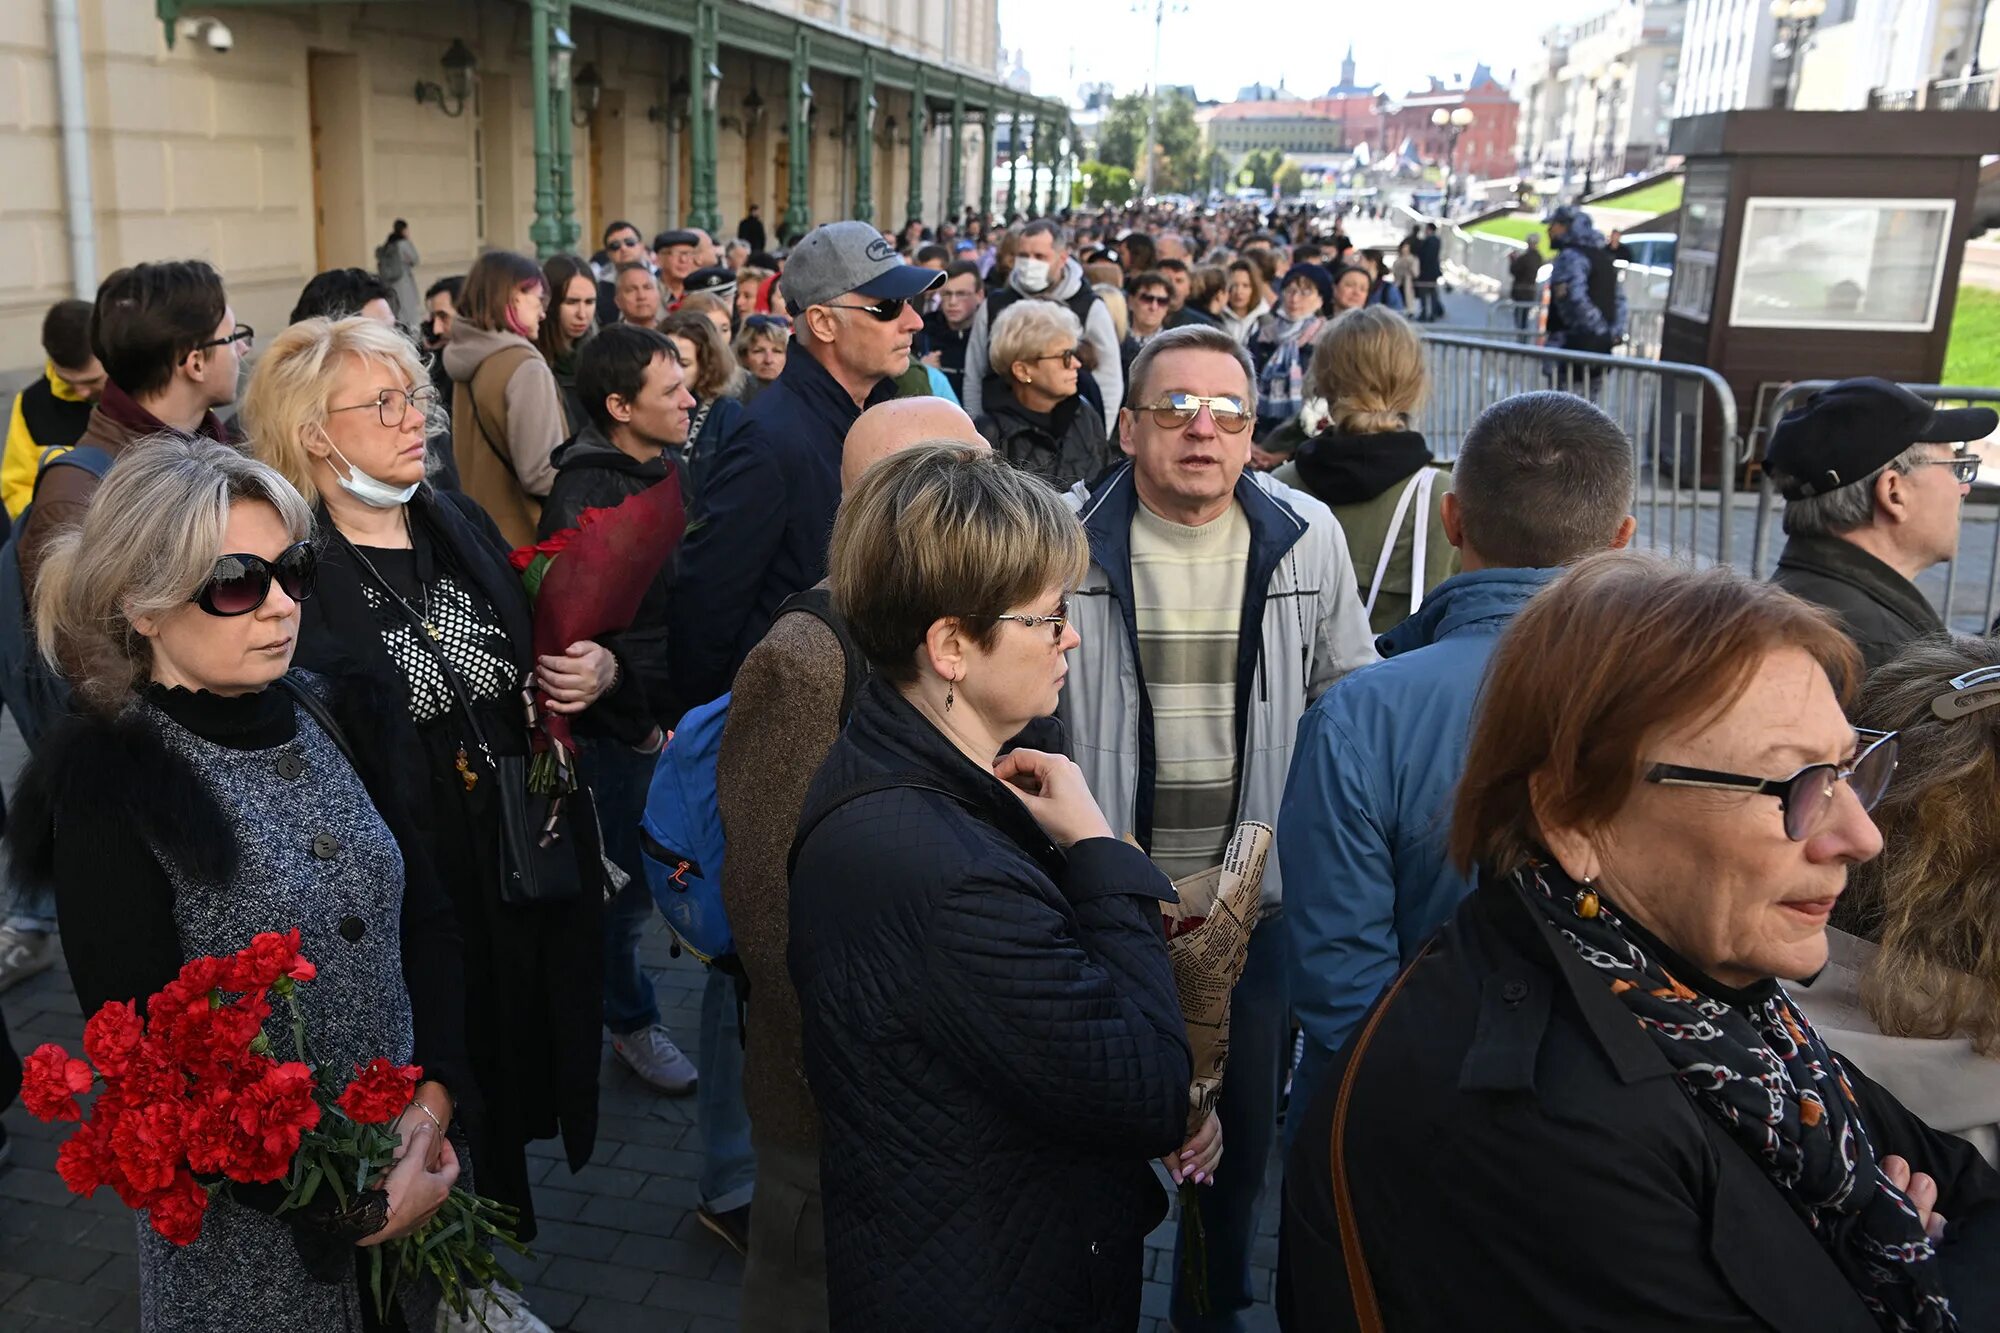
x=268, y=957
x=269, y=1117
x=176, y=1211
x=112, y=1037
x=148, y=1143
x=379, y=1092
x=85, y=1162
x=50, y=1080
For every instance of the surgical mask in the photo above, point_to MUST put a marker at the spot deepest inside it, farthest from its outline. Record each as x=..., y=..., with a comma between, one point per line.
x=371, y=491
x=1031, y=275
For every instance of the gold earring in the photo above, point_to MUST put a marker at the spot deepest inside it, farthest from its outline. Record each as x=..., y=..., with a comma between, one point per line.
x=1586, y=902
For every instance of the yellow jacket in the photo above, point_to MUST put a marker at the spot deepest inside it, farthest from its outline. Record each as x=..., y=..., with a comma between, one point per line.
x=22, y=457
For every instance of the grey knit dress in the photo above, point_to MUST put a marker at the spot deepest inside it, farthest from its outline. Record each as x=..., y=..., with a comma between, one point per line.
x=313, y=853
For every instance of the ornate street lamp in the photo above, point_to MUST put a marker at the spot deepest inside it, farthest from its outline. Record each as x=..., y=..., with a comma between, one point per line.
x=1451, y=124
x=459, y=67
x=589, y=90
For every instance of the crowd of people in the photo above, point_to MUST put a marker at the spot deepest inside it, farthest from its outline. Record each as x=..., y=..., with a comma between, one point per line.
x=1022, y=565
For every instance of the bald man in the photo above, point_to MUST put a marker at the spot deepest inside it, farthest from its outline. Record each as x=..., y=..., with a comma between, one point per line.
x=789, y=703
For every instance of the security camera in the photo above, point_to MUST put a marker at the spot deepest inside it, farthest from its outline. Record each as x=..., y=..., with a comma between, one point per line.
x=214, y=32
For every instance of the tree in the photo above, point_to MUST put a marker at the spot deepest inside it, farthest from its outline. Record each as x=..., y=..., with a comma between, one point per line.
x=1288, y=179
x=1178, y=160
x=1105, y=184
x=1260, y=167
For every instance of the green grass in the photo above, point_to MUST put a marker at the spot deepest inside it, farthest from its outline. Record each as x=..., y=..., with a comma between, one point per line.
x=1514, y=225
x=1972, y=357
x=1662, y=196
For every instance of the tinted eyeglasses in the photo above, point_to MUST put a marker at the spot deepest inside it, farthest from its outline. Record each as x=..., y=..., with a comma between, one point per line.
x=240, y=583
x=1182, y=408
x=1068, y=356
x=888, y=309
x=1807, y=795
x=1964, y=467
x=393, y=405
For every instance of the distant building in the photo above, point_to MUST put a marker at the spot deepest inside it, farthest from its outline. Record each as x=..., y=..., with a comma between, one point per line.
x=1725, y=57
x=1599, y=100
x=1264, y=92
x=1347, y=87
x=1485, y=148
x=1320, y=125
x=1895, y=53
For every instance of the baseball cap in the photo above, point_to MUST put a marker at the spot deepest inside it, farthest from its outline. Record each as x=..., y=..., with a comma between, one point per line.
x=837, y=258
x=1847, y=430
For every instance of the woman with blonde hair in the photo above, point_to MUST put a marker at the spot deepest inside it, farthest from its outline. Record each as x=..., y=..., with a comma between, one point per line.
x=713, y=379
x=760, y=350
x=1911, y=993
x=418, y=603
x=506, y=411
x=1370, y=467
x=1034, y=417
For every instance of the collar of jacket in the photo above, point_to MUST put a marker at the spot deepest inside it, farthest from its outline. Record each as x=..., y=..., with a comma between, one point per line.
x=1014, y=415
x=590, y=447
x=1525, y=962
x=117, y=420
x=816, y=388
x=1343, y=469
x=1484, y=597
x=1844, y=562
x=1274, y=530
x=888, y=730
x=61, y=387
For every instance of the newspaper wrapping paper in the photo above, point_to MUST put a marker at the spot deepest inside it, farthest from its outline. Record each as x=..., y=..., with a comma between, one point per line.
x=1209, y=959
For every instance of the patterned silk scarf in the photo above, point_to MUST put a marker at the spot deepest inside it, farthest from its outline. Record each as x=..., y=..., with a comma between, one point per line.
x=1762, y=1071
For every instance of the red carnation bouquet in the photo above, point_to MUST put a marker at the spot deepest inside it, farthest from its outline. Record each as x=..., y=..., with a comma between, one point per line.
x=192, y=1098
x=586, y=582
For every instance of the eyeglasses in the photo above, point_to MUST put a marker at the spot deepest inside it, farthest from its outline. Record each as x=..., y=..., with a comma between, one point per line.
x=240, y=583
x=1068, y=356
x=623, y=243
x=1182, y=408
x=1154, y=298
x=1060, y=620
x=243, y=334
x=1964, y=467
x=393, y=405
x=889, y=309
x=1807, y=795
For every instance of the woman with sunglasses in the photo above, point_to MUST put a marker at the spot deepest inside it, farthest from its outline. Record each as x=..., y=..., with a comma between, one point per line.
x=205, y=796
x=1911, y=992
x=990, y=1024
x=418, y=601
x=1593, y=1094
x=1034, y=417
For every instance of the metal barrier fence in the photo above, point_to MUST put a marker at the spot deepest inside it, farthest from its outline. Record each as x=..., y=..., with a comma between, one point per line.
x=1971, y=579
x=1523, y=322
x=1685, y=499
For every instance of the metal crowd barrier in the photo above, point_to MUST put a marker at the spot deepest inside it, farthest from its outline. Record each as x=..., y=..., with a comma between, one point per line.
x=1971, y=579
x=1522, y=322
x=1685, y=499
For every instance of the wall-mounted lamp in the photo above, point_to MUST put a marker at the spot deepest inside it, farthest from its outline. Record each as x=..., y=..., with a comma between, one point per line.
x=561, y=52
x=711, y=86
x=459, y=68
x=753, y=109
x=589, y=92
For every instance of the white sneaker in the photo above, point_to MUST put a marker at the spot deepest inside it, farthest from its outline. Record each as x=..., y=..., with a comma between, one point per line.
x=653, y=1057
x=492, y=1310
x=24, y=953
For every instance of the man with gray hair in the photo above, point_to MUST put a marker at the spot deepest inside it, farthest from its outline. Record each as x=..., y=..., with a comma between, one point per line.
x=1542, y=480
x=1873, y=478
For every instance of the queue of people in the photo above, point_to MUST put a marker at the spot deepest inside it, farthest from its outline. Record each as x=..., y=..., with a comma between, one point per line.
x=1028, y=564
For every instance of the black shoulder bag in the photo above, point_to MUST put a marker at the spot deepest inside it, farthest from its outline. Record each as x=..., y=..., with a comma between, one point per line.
x=538, y=865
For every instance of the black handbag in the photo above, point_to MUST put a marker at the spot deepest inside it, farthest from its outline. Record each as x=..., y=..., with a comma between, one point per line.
x=538, y=859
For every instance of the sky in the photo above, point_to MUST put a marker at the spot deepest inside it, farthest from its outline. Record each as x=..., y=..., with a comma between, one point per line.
x=1222, y=45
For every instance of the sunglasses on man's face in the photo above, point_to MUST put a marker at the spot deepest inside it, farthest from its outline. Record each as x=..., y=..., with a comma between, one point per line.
x=1181, y=409
x=888, y=309
x=240, y=583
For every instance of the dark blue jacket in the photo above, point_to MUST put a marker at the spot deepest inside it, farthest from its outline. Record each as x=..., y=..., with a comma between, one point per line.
x=1367, y=809
x=766, y=511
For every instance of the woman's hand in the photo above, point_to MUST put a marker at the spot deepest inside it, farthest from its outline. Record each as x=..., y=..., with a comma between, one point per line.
x=416, y=1192
x=577, y=679
x=1922, y=1192
x=1198, y=1157
x=1055, y=793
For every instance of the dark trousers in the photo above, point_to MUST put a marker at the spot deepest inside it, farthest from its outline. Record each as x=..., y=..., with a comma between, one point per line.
x=1260, y=1054
x=784, y=1280
x=10, y=1068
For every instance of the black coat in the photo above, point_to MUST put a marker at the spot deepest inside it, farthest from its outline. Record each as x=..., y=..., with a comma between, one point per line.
x=767, y=503
x=993, y=1039
x=1062, y=446
x=1520, y=1156
x=1430, y=258
x=1880, y=609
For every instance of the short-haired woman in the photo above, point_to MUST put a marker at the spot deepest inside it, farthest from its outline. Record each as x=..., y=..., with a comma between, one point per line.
x=201, y=799
x=572, y=319
x=760, y=349
x=416, y=597
x=1590, y=1102
x=991, y=1028
x=1369, y=467
x=506, y=411
x=1911, y=992
x=1034, y=416
x=712, y=378
x=1246, y=301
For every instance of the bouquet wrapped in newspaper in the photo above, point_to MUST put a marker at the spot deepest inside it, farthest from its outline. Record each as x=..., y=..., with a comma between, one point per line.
x=1208, y=939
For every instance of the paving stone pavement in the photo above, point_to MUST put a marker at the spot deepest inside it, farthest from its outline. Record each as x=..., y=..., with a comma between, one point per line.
x=620, y=1249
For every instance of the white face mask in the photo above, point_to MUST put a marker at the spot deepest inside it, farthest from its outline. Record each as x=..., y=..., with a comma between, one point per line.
x=374, y=493
x=1031, y=275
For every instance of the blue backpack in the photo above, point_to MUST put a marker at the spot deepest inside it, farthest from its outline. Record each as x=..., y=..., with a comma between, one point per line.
x=36, y=696
x=681, y=830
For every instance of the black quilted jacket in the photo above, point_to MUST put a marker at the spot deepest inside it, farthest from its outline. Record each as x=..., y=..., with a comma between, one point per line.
x=993, y=1039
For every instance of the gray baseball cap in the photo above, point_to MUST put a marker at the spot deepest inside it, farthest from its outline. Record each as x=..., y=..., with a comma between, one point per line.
x=837, y=258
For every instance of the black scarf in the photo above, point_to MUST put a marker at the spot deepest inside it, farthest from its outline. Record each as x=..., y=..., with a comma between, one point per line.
x=1354, y=469
x=1752, y=1061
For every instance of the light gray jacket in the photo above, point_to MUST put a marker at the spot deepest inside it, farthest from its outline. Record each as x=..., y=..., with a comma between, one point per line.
x=1303, y=629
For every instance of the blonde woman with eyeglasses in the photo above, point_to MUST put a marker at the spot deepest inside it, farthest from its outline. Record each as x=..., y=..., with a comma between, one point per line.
x=1033, y=415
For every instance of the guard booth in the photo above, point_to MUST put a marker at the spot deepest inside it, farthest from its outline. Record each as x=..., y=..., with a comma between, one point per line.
x=1821, y=245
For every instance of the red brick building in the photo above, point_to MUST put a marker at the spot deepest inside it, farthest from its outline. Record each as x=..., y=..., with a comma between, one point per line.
x=1486, y=148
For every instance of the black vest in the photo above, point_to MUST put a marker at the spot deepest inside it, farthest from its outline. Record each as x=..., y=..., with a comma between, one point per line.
x=53, y=423
x=1602, y=289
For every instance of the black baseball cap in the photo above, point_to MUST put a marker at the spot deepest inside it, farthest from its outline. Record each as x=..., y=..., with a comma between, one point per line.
x=1846, y=431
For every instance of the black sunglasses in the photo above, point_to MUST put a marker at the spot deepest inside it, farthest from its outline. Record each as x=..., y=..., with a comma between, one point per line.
x=888, y=309
x=240, y=583
x=1806, y=795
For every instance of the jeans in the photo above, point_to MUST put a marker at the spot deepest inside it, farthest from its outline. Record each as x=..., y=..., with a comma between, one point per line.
x=729, y=1164
x=1433, y=310
x=618, y=777
x=29, y=909
x=1260, y=1053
